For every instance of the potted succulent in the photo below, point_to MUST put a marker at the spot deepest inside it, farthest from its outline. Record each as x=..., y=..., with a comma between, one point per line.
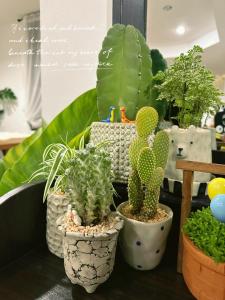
x=55, y=161
x=203, y=264
x=90, y=229
x=147, y=223
x=189, y=86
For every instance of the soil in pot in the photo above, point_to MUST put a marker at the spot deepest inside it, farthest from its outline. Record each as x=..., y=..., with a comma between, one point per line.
x=89, y=251
x=143, y=240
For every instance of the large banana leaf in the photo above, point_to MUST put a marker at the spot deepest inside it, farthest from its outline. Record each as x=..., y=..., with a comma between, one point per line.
x=124, y=71
x=16, y=152
x=65, y=127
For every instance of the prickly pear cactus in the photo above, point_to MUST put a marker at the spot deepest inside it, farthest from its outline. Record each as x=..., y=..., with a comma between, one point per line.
x=148, y=163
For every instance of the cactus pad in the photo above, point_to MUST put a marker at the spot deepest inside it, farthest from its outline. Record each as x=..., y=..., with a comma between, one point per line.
x=134, y=150
x=134, y=185
x=156, y=179
x=161, y=147
x=146, y=121
x=146, y=165
x=151, y=202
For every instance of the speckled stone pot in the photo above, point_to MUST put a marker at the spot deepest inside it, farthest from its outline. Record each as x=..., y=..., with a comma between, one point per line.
x=89, y=259
x=143, y=244
x=121, y=135
x=56, y=206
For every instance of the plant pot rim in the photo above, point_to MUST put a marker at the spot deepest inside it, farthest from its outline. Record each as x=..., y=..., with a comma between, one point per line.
x=115, y=123
x=201, y=257
x=85, y=236
x=163, y=206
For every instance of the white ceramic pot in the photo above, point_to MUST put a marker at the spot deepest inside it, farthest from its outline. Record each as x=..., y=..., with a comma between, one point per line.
x=143, y=244
x=89, y=259
x=56, y=206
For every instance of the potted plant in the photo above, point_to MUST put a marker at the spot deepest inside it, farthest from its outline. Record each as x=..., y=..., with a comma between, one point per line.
x=90, y=229
x=126, y=91
x=56, y=159
x=147, y=223
x=7, y=100
x=203, y=264
x=189, y=86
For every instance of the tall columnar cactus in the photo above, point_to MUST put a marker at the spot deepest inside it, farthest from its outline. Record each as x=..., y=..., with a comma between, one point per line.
x=89, y=182
x=147, y=163
x=124, y=72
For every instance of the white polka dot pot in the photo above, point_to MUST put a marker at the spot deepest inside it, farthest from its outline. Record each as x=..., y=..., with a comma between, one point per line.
x=143, y=244
x=89, y=259
x=56, y=206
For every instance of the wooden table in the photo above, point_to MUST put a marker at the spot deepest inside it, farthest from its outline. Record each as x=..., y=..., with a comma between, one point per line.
x=7, y=142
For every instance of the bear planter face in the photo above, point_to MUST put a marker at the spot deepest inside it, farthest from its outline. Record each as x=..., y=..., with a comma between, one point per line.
x=189, y=144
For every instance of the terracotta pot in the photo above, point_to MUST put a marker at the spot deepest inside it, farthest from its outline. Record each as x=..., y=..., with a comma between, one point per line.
x=143, y=244
x=89, y=259
x=204, y=277
x=56, y=206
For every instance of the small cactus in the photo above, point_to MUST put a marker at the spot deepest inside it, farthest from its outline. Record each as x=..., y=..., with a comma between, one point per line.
x=147, y=163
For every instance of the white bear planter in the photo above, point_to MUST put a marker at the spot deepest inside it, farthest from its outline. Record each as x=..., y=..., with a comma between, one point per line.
x=193, y=144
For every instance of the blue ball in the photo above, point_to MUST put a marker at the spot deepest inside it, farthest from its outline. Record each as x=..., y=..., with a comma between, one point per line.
x=217, y=206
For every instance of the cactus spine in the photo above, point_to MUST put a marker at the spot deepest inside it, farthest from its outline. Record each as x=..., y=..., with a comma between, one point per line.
x=147, y=163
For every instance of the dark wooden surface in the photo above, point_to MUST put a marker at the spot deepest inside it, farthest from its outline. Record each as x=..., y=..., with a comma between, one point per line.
x=40, y=275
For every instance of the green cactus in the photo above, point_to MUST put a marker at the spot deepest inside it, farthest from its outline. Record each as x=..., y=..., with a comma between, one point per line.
x=89, y=183
x=124, y=72
x=147, y=163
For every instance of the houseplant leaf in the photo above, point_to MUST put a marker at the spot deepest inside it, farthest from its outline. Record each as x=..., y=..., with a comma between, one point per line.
x=69, y=123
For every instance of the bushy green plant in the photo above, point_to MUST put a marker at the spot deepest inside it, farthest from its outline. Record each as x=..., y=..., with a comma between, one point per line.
x=158, y=64
x=207, y=233
x=189, y=85
x=89, y=183
x=7, y=99
x=147, y=163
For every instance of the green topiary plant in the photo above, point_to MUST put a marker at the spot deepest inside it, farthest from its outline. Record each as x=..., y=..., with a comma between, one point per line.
x=124, y=72
x=207, y=233
x=147, y=163
x=7, y=100
x=189, y=86
x=89, y=183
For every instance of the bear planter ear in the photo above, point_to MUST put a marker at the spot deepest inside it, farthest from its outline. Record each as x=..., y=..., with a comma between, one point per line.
x=174, y=128
x=192, y=128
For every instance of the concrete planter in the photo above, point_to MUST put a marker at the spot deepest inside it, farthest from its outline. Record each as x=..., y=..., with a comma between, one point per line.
x=56, y=206
x=121, y=135
x=143, y=244
x=89, y=259
x=204, y=277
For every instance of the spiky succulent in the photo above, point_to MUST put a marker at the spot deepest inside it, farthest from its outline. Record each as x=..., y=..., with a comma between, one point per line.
x=89, y=183
x=147, y=163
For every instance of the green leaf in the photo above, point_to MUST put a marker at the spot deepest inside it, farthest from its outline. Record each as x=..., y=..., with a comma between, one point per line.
x=124, y=71
x=67, y=125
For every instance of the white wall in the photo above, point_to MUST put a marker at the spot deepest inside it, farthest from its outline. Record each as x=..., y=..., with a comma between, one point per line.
x=12, y=77
x=64, y=30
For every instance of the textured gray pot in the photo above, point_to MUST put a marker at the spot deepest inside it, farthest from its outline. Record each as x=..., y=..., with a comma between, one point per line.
x=56, y=206
x=89, y=259
x=143, y=244
x=120, y=135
